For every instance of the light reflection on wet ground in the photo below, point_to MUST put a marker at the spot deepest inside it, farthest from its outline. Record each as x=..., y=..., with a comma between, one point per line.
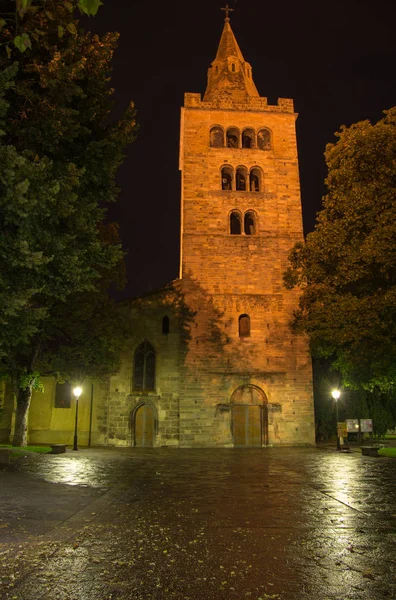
x=213, y=524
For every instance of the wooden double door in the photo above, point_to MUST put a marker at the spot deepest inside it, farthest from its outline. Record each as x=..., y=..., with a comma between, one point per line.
x=249, y=425
x=144, y=426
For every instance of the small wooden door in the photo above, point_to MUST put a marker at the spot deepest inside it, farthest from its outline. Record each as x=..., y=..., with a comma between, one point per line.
x=246, y=422
x=144, y=426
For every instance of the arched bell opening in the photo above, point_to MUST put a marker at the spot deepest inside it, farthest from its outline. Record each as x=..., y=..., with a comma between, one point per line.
x=217, y=137
x=241, y=179
x=264, y=139
x=235, y=223
x=226, y=178
x=249, y=223
x=255, y=180
x=248, y=138
x=233, y=137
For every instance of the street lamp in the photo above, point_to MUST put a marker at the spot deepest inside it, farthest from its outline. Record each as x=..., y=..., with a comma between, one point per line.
x=77, y=393
x=336, y=394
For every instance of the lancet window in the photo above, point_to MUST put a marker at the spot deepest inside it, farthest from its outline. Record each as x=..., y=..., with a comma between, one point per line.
x=144, y=368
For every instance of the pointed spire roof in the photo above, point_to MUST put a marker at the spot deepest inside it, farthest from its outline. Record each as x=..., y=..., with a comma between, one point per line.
x=229, y=75
x=228, y=45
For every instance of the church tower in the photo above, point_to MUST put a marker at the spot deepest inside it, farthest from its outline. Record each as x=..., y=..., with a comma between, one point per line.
x=210, y=359
x=245, y=379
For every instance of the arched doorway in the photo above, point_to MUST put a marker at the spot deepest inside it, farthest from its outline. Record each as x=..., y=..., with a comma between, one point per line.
x=144, y=426
x=249, y=417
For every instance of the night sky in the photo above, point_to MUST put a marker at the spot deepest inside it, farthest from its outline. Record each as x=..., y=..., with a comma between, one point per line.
x=336, y=60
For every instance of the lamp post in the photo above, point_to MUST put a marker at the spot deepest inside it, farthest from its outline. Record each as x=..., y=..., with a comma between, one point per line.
x=336, y=394
x=77, y=393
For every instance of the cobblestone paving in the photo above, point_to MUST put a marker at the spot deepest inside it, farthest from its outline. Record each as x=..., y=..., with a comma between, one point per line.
x=281, y=524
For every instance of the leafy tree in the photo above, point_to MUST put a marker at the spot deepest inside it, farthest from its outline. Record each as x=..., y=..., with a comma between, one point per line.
x=382, y=410
x=324, y=381
x=22, y=39
x=347, y=266
x=59, y=153
x=380, y=406
x=84, y=336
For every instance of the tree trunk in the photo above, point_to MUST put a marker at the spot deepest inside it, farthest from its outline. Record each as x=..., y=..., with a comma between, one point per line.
x=21, y=417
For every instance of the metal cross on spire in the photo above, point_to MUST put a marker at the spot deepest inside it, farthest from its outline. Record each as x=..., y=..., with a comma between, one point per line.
x=227, y=11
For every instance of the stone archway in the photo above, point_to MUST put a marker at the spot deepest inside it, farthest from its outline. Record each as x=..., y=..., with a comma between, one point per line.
x=249, y=417
x=144, y=425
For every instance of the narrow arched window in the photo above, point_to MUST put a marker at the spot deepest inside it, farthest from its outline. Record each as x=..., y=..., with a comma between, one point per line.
x=233, y=67
x=144, y=368
x=232, y=138
x=217, y=137
x=244, y=326
x=216, y=70
x=249, y=223
x=254, y=180
x=264, y=139
x=241, y=176
x=248, y=138
x=165, y=325
x=235, y=223
x=226, y=178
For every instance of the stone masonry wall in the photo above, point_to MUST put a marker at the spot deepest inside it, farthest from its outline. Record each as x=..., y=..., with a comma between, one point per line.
x=225, y=275
x=145, y=317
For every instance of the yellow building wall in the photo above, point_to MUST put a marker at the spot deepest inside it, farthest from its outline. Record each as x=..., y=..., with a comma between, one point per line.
x=50, y=425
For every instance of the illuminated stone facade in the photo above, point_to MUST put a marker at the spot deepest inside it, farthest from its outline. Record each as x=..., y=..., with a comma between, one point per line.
x=229, y=371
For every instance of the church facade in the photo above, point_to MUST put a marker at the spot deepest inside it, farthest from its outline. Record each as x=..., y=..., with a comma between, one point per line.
x=210, y=360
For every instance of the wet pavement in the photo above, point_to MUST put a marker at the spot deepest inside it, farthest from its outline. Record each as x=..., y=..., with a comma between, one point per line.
x=150, y=524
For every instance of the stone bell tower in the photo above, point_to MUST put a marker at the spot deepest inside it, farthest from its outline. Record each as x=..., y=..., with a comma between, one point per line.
x=245, y=379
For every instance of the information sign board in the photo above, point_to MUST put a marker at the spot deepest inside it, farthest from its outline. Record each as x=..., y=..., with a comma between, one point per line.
x=352, y=425
x=366, y=425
